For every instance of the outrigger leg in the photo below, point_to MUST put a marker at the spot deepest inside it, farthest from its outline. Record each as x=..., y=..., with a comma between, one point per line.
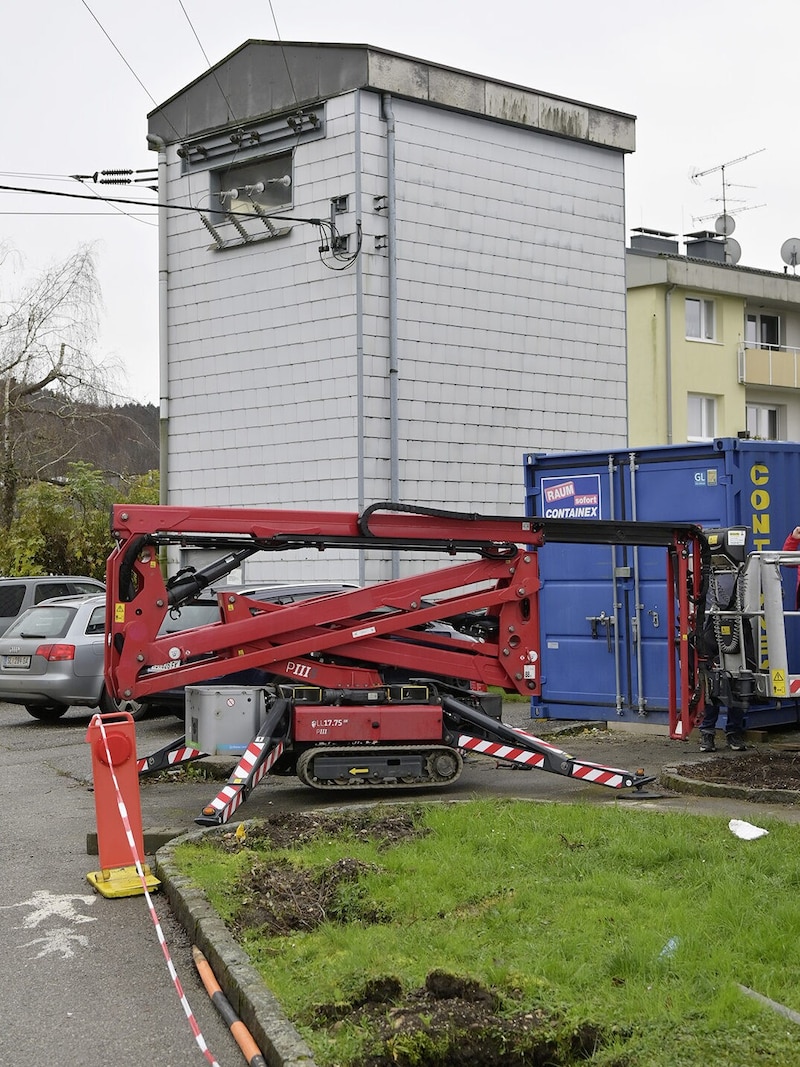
x=171, y=755
x=492, y=738
x=260, y=756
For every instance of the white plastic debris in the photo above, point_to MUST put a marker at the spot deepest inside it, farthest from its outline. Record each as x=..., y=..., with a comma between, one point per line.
x=670, y=948
x=745, y=830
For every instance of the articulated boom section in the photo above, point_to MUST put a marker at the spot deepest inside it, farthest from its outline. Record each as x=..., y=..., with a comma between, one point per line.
x=342, y=639
x=362, y=694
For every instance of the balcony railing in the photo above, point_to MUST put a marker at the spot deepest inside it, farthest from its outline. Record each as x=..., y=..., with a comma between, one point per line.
x=774, y=365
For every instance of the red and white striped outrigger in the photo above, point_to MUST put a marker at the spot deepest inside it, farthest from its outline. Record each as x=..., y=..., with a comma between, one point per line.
x=537, y=753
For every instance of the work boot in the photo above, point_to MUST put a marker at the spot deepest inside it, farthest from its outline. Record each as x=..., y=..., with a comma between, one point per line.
x=735, y=742
x=707, y=741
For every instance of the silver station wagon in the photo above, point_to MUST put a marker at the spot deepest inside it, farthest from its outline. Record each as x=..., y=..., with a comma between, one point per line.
x=51, y=658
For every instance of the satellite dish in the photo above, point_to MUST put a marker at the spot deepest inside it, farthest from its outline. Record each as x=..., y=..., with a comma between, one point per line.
x=790, y=252
x=733, y=250
x=725, y=225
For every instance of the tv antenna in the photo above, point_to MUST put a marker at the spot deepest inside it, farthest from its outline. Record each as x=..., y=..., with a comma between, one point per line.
x=722, y=167
x=725, y=220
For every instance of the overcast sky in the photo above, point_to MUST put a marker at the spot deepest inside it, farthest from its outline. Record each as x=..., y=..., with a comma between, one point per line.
x=709, y=81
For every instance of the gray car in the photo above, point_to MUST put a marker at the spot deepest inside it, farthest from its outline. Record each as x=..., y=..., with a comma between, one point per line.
x=51, y=658
x=19, y=594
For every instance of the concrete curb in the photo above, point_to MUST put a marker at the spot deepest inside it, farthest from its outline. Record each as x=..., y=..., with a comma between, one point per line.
x=679, y=783
x=279, y=1041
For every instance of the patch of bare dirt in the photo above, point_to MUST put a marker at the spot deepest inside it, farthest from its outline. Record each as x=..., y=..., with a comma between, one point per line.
x=280, y=897
x=294, y=829
x=756, y=769
x=456, y=1022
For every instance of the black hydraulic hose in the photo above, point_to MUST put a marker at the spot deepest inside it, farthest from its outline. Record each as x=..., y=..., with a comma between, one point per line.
x=410, y=509
x=188, y=583
x=127, y=588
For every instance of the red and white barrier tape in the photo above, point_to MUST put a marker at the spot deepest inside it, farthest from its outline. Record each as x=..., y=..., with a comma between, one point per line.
x=123, y=811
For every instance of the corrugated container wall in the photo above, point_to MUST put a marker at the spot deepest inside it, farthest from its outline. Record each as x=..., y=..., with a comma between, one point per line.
x=594, y=668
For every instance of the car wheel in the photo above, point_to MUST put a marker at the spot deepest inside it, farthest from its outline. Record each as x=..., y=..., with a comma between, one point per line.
x=47, y=712
x=108, y=705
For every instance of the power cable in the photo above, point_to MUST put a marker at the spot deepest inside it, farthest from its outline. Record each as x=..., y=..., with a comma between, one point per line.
x=208, y=62
x=332, y=244
x=79, y=214
x=329, y=235
x=283, y=52
x=121, y=56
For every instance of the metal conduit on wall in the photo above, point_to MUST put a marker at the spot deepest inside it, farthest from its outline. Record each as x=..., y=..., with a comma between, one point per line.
x=394, y=461
x=360, y=417
x=158, y=145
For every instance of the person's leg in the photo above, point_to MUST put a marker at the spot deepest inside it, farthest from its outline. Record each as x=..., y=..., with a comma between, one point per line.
x=734, y=730
x=708, y=727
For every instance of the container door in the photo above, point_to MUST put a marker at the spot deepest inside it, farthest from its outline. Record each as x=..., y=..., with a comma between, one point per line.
x=679, y=489
x=584, y=635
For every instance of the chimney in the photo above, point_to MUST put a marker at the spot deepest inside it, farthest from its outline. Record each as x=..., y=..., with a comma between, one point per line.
x=705, y=244
x=656, y=241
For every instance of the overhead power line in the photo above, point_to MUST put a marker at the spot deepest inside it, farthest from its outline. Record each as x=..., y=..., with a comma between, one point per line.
x=324, y=226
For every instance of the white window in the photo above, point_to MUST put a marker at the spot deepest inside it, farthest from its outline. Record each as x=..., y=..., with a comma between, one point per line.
x=701, y=423
x=762, y=331
x=763, y=422
x=700, y=319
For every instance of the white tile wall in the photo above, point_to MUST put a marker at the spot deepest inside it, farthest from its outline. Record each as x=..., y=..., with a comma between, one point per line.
x=511, y=325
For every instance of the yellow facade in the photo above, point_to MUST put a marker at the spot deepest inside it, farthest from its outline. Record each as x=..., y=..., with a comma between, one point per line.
x=724, y=369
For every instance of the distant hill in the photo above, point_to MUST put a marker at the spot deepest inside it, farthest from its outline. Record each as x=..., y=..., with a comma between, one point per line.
x=120, y=441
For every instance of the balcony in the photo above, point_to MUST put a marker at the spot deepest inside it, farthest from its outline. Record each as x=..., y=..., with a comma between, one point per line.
x=773, y=365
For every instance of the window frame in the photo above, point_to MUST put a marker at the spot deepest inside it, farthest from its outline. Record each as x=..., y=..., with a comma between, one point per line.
x=774, y=413
x=755, y=338
x=708, y=406
x=275, y=197
x=706, y=309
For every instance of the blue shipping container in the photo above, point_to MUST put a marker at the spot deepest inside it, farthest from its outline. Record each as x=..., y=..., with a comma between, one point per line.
x=603, y=609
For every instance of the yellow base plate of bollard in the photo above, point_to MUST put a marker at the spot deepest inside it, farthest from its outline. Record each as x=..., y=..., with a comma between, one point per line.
x=122, y=882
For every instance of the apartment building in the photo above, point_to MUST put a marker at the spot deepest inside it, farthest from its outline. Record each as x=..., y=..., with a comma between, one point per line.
x=713, y=347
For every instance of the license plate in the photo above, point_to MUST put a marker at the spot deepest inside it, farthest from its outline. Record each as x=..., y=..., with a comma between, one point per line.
x=16, y=661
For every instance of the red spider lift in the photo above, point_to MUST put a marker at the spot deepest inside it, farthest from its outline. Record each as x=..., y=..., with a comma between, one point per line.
x=362, y=691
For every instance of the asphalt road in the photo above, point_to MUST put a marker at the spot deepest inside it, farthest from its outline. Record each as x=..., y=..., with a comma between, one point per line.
x=86, y=980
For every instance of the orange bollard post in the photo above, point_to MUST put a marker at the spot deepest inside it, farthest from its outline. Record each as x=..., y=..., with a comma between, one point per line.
x=117, y=808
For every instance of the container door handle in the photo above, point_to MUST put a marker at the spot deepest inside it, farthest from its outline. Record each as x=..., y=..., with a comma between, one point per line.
x=601, y=620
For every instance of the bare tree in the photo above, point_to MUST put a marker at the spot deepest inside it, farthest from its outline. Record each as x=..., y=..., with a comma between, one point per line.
x=47, y=333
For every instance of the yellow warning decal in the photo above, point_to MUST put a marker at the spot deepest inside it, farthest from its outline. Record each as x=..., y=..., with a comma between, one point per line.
x=778, y=683
x=119, y=612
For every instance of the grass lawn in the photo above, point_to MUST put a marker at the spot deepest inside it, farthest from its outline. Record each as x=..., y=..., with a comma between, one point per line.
x=633, y=927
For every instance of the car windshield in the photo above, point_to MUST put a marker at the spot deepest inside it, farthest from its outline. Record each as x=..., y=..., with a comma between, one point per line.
x=48, y=620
